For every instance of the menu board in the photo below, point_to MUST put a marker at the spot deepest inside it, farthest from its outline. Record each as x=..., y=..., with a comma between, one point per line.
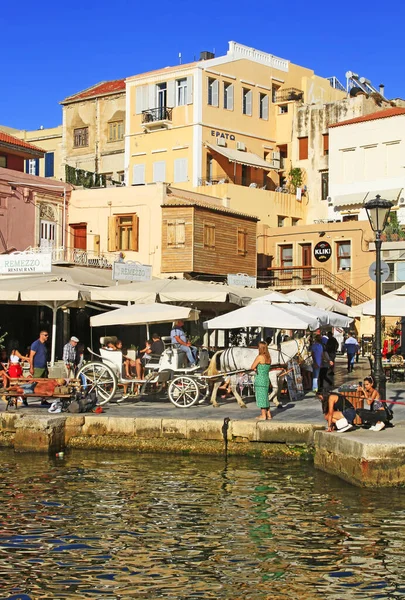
x=294, y=381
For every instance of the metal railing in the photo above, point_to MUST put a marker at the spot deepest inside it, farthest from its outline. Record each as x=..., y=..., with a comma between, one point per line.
x=83, y=258
x=162, y=113
x=284, y=95
x=252, y=182
x=295, y=277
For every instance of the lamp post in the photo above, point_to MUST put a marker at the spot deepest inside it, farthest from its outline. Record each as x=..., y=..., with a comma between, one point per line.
x=378, y=211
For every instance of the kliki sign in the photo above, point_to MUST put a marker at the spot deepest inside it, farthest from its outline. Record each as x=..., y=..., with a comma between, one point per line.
x=322, y=251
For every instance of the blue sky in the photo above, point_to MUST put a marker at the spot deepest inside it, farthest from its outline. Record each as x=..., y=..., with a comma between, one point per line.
x=54, y=49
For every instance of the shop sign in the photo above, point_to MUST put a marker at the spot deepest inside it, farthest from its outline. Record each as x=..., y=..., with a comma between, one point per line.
x=21, y=263
x=242, y=280
x=131, y=271
x=221, y=134
x=322, y=251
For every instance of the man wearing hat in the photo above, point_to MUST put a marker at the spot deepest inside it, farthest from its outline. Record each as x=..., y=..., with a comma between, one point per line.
x=69, y=356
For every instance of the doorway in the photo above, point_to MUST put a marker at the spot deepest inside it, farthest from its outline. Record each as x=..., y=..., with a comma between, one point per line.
x=306, y=261
x=79, y=236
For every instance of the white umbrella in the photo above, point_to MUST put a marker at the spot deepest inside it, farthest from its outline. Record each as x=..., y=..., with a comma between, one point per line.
x=320, y=301
x=326, y=317
x=144, y=314
x=391, y=306
x=263, y=314
x=275, y=297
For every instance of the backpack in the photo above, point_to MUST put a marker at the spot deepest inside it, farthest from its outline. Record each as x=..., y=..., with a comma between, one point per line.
x=388, y=412
x=83, y=402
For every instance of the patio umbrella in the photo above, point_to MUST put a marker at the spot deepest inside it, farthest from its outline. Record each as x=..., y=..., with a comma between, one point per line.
x=319, y=301
x=144, y=314
x=263, y=314
x=392, y=305
x=274, y=297
x=325, y=317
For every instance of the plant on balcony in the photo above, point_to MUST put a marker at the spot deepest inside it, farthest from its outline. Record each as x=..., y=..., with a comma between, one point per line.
x=393, y=231
x=295, y=178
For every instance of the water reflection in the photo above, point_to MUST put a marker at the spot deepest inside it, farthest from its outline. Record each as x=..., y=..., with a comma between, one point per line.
x=124, y=527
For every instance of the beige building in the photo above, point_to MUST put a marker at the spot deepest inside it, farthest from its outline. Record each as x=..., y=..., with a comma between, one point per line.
x=173, y=230
x=93, y=131
x=48, y=139
x=214, y=125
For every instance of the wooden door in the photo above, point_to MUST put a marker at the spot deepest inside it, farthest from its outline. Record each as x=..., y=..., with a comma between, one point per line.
x=306, y=255
x=80, y=236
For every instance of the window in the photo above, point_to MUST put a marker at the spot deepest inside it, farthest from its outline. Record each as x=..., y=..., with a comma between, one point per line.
x=286, y=256
x=295, y=222
x=325, y=140
x=280, y=221
x=213, y=91
x=343, y=254
x=47, y=234
x=32, y=166
x=181, y=92
x=264, y=107
x=123, y=233
x=325, y=185
x=176, y=233
x=302, y=148
x=115, y=131
x=138, y=175
x=228, y=96
x=121, y=176
x=247, y=101
x=49, y=164
x=3, y=161
x=159, y=171
x=283, y=109
x=346, y=218
x=81, y=137
x=242, y=241
x=180, y=170
x=209, y=236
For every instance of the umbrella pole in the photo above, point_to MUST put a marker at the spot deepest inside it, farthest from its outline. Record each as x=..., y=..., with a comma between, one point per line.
x=147, y=331
x=53, y=346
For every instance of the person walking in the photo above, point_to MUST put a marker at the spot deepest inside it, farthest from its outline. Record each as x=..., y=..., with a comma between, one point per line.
x=317, y=349
x=326, y=364
x=38, y=356
x=331, y=348
x=351, y=347
x=69, y=356
x=261, y=365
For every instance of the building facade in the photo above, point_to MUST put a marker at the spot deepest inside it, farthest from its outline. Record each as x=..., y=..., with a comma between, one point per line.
x=14, y=152
x=93, y=131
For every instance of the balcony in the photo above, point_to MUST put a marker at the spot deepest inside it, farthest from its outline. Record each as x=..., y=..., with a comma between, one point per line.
x=289, y=94
x=157, y=118
x=82, y=258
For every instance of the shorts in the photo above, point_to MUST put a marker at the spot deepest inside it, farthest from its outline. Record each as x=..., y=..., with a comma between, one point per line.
x=40, y=372
x=349, y=414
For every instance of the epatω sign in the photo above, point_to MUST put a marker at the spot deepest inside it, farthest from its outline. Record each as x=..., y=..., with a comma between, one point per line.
x=322, y=251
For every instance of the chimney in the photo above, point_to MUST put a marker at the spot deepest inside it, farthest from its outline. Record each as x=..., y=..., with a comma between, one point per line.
x=382, y=89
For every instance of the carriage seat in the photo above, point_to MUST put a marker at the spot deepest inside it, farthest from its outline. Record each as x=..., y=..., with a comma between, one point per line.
x=113, y=358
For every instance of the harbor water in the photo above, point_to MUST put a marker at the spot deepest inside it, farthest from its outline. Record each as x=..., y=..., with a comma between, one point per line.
x=123, y=526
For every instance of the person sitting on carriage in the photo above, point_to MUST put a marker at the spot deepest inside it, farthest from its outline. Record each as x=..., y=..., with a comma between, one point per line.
x=179, y=340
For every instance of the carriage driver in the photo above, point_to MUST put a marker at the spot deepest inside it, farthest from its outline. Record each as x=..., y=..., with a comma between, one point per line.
x=179, y=340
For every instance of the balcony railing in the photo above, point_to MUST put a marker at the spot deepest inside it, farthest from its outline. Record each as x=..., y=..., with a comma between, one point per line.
x=154, y=115
x=83, y=258
x=285, y=95
x=295, y=277
x=252, y=182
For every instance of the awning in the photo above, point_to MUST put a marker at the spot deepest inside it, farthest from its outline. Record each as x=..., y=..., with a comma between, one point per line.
x=361, y=197
x=242, y=158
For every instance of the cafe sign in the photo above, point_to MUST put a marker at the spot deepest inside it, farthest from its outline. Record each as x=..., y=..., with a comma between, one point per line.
x=242, y=280
x=21, y=263
x=131, y=271
x=322, y=251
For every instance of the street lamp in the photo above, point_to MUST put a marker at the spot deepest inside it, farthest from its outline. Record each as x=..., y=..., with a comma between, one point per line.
x=378, y=211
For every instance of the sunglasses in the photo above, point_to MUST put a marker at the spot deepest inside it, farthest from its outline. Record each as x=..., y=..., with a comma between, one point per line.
x=45, y=334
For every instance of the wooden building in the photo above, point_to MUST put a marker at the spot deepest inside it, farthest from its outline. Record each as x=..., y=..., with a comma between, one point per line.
x=203, y=238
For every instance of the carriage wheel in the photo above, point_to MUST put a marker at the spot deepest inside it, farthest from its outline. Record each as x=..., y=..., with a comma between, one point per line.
x=204, y=391
x=183, y=391
x=99, y=377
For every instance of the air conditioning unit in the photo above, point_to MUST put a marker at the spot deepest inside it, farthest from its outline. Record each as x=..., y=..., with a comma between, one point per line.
x=402, y=201
x=241, y=146
x=221, y=142
x=330, y=201
x=276, y=155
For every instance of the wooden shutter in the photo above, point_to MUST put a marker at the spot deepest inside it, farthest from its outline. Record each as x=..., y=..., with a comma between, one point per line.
x=242, y=241
x=215, y=93
x=37, y=166
x=249, y=103
x=303, y=148
x=49, y=164
x=189, y=98
x=265, y=107
x=112, y=234
x=159, y=171
x=138, y=175
x=325, y=144
x=151, y=96
x=171, y=93
x=139, y=99
x=180, y=233
x=230, y=97
x=27, y=165
x=180, y=170
x=171, y=233
x=135, y=233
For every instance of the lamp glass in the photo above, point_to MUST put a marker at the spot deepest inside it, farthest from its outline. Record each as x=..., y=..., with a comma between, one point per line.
x=378, y=211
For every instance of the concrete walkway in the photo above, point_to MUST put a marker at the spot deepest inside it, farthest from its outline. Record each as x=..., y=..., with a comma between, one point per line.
x=300, y=412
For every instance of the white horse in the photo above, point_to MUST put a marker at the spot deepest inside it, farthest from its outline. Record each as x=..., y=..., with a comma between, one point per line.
x=238, y=359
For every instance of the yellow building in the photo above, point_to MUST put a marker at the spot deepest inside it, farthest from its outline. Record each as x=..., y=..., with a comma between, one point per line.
x=50, y=140
x=214, y=126
x=93, y=130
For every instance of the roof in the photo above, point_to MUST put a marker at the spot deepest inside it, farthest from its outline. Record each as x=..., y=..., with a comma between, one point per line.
x=381, y=114
x=165, y=70
x=242, y=158
x=6, y=138
x=100, y=89
x=178, y=199
x=26, y=179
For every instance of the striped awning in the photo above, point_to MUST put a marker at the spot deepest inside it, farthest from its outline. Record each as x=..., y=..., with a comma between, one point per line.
x=242, y=158
x=361, y=197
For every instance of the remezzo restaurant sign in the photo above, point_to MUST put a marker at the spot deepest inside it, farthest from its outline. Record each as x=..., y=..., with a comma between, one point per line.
x=131, y=271
x=25, y=262
x=241, y=279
